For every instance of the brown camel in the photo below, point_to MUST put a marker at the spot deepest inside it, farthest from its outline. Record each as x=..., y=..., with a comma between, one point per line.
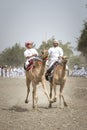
x=36, y=75
x=58, y=78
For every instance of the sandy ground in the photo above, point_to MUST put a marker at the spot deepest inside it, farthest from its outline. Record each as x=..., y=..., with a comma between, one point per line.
x=16, y=115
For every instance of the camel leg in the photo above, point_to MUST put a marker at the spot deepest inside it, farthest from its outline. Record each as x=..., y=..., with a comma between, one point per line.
x=45, y=89
x=60, y=95
x=50, y=103
x=55, y=95
x=28, y=90
x=34, y=96
x=65, y=104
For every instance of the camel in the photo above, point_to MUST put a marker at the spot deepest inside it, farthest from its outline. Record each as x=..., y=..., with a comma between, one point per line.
x=58, y=78
x=36, y=75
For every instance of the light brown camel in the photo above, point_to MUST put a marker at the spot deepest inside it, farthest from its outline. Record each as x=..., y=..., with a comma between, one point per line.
x=59, y=78
x=36, y=75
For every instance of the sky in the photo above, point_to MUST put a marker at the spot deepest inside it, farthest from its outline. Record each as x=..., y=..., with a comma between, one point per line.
x=39, y=20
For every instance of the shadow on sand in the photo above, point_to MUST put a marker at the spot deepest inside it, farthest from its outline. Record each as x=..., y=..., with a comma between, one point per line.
x=16, y=109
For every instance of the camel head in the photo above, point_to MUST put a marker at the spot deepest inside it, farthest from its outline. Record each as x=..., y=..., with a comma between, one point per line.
x=64, y=59
x=44, y=54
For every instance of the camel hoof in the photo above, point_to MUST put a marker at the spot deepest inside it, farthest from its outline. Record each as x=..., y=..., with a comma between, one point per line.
x=53, y=100
x=26, y=101
x=35, y=108
x=50, y=105
x=65, y=104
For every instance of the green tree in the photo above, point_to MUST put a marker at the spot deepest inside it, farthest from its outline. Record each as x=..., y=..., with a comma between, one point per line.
x=82, y=41
x=74, y=60
x=45, y=45
x=12, y=56
x=66, y=47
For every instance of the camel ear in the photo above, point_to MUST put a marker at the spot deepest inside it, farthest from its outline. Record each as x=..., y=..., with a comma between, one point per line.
x=65, y=57
x=44, y=52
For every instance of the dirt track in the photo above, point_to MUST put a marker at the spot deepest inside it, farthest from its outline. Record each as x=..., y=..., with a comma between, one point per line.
x=16, y=115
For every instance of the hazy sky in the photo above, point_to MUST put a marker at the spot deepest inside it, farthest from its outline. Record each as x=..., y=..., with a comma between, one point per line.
x=38, y=20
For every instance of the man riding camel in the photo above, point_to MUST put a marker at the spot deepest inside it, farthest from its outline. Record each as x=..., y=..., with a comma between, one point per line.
x=55, y=54
x=30, y=53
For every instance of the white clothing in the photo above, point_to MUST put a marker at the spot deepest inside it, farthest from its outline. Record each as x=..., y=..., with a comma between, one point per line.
x=30, y=52
x=54, y=55
x=75, y=67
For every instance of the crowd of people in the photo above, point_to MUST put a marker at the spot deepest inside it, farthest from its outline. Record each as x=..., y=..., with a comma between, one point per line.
x=79, y=71
x=11, y=72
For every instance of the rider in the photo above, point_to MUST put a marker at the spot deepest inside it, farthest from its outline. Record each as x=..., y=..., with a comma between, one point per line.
x=54, y=55
x=30, y=53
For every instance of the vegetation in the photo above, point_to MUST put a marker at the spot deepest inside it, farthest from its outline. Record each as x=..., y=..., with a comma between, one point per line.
x=12, y=56
x=82, y=41
x=66, y=47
